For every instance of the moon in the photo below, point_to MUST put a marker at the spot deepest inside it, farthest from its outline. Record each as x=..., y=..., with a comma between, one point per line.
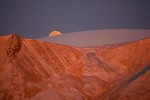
x=55, y=33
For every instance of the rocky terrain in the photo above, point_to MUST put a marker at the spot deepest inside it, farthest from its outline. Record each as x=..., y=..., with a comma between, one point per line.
x=38, y=70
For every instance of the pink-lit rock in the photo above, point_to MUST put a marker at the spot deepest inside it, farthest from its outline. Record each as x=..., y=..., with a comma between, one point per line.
x=38, y=70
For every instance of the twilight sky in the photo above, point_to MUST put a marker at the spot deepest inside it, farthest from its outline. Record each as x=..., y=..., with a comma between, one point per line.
x=37, y=18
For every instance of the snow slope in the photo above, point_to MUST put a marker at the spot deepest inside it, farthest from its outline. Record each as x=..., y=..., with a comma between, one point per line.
x=99, y=37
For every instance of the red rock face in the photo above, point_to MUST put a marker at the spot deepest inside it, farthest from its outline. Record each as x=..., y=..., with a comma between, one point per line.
x=38, y=70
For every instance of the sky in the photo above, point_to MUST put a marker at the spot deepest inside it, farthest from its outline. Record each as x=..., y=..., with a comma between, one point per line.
x=37, y=18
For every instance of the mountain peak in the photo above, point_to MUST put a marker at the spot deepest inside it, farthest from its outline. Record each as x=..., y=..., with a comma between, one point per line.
x=15, y=45
x=16, y=35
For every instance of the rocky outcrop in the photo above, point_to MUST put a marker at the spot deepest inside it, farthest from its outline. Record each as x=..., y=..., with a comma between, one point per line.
x=15, y=46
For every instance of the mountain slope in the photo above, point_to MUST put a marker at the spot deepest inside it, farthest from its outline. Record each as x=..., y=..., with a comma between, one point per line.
x=31, y=69
x=99, y=37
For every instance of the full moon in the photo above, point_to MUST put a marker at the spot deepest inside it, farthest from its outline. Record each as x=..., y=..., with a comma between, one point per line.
x=55, y=33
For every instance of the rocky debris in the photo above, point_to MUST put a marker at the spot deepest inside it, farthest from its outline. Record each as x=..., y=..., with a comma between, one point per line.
x=92, y=59
x=16, y=89
x=15, y=46
x=93, y=87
